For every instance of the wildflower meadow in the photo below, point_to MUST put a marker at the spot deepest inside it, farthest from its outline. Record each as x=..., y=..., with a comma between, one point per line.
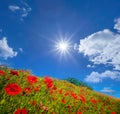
x=23, y=93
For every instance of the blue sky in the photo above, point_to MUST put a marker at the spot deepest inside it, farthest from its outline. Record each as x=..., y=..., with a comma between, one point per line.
x=30, y=30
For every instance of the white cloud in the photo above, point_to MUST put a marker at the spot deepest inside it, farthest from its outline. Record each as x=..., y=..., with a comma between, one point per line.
x=102, y=47
x=90, y=66
x=96, y=77
x=14, y=8
x=107, y=90
x=117, y=25
x=6, y=51
x=25, y=11
x=22, y=10
x=76, y=46
x=21, y=50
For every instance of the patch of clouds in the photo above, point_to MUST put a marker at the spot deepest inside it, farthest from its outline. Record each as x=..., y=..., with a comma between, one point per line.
x=14, y=8
x=23, y=10
x=102, y=47
x=20, y=49
x=76, y=46
x=90, y=66
x=96, y=77
x=117, y=25
x=6, y=51
x=107, y=90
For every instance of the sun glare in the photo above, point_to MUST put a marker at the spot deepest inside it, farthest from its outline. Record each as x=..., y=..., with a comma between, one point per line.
x=62, y=47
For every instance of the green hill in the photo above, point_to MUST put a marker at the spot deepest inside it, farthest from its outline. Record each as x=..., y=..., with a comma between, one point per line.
x=23, y=93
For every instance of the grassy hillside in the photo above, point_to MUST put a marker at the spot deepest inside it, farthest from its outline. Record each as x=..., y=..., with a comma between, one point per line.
x=23, y=93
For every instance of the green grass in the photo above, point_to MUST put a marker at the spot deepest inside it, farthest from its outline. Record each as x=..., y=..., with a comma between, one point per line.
x=37, y=95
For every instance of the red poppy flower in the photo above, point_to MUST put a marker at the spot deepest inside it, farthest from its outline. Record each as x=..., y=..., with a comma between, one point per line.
x=47, y=79
x=54, y=88
x=74, y=96
x=60, y=91
x=82, y=98
x=8, y=79
x=63, y=101
x=37, y=89
x=2, y=72
x=13, y=72
x=32, y=79
x=21, y=111
x=49, y=85
x=78, y=112
x=93, y=101
x=26, y=91
x=12, y=89
x=67, y=93
x=113, y=112
x=68, y=106
x=34, y=103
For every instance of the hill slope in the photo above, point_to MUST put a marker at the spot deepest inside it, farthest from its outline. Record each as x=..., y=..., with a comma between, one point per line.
x=23, y=93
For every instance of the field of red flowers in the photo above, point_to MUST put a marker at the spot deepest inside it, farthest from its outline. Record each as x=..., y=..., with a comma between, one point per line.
x=23, y=93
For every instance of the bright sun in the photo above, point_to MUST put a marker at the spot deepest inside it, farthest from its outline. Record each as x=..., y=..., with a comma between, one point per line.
x=62, y=46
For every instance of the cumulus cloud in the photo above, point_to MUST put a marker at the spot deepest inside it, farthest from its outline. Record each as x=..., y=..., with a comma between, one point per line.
x=6, y=51
x=96, y=77
x=102, y=47
x=107, y=90
x=22, y=10
x=117, y=25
